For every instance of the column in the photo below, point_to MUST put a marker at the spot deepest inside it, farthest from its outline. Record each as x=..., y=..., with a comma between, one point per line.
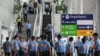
x=69, y=6
x=0, y=39
x=98, y=15
x=81, y=7
x=78, y=6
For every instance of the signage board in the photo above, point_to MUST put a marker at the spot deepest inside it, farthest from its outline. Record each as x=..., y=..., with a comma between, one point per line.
x=76, y=24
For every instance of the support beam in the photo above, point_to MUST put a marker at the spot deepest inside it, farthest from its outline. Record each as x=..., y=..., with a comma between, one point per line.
x=98, y=15
x=81, y=7
x=0, y=39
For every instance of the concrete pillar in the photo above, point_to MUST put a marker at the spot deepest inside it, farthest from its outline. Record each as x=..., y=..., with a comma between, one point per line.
x=75, y=6
x=98, y=15
x=81, y=7
x=69, y=6
x=0, y=39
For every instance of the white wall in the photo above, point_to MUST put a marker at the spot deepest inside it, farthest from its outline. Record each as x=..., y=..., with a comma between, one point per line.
x=0, y=37
x=57, y=23
x=7, y=18
x=5, y=34
x=98, y=15
x=6, y=12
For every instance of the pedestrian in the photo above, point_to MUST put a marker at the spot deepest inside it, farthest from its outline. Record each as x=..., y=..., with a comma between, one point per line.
x=35, y=7
x=77, y=45
x=15, y=46
x=46, y=8
x=70, y=47
x=7, y=47
x=28, y=29
x=23, y=47
x=30, y=7
x=97, y=44
x=89, y=46
x=33, y=47
x=44, y=47
x=84, y=47
x=25, y=13
x=60, y=47
x=48, y=31
x=19, y=24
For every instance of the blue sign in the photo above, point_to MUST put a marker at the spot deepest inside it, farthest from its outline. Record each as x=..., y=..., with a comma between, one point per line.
x=85, y=27
x=77, y=17
x=83, y=24
x=69, y=22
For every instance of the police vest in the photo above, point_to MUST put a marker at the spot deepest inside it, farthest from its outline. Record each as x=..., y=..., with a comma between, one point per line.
x=19, y=20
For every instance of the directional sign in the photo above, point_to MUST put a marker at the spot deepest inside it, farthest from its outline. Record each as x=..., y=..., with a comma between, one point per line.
x=84, y=32
x=85, y=27
x=69, y=30
x=77, y=16
x=77, y=24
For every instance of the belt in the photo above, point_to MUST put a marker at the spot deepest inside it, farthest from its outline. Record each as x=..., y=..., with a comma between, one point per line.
x=61, y=53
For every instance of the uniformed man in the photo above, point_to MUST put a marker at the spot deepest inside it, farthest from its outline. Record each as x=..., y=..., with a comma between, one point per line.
x=84, y=48
x=97, y=44
x=25, y=13
x=92, y=45
x=60, y=47
x=23, y=47
x=15, y=46
x=89, y=45
x=44, y=47
x=33, y=47
x=70, y=47
x=7, y=47
x=28, y=29
x=77, y=45
x=19, y=23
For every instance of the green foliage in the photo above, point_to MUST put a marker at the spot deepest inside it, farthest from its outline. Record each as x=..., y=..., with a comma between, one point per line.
x=61, y=7
x=17, y=6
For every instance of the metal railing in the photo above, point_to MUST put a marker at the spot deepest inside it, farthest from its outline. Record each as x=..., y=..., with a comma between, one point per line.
x=52, y=21
x=38, y=22
x=53, y=32
x=14, y=31
x=35, y=23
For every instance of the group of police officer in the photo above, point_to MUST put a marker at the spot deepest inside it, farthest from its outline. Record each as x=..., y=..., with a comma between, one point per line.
x=21, y=47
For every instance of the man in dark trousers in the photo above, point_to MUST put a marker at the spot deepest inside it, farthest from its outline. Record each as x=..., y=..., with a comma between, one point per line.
x=19, y=23
x=28, y=29
x=44, y=47
x=35, y=7
x=7, y=47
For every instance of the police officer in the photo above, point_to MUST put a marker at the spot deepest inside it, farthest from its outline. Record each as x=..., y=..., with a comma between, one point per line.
x=70, y=47
x=15, y=46
x=77, y=44
x=23, y=47
x=60, y=47
x=25, y=13
x=19, y=24
x=84, y=48
x=7, y=47
x=89, y=46
x=33, y=47
x=28, y=29
x=97, y=44
x=44, y=47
